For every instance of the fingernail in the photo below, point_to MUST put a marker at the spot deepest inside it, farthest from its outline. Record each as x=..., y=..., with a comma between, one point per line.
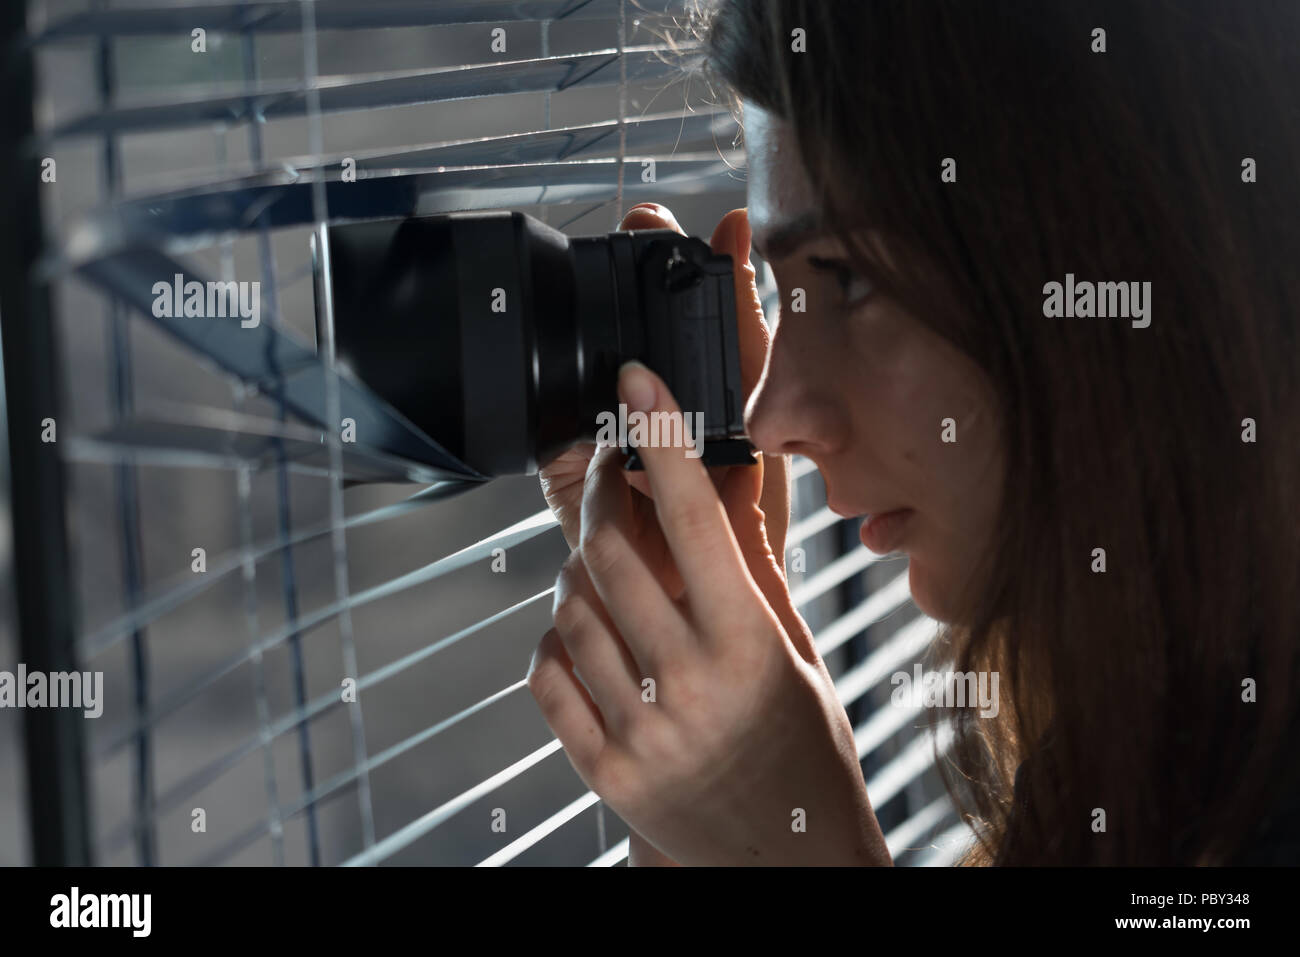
x=636, y=386
x=663, y=212
x=652, y=207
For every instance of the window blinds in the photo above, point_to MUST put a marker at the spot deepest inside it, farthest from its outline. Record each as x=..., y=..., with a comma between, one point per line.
x=210, y=139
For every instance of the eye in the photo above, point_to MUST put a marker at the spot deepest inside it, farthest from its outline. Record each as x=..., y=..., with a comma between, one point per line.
x=854, y=287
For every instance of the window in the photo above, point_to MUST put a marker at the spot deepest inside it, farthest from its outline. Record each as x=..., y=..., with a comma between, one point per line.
x=202, y=542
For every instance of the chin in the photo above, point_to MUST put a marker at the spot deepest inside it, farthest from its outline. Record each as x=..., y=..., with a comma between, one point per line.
x=928, y=592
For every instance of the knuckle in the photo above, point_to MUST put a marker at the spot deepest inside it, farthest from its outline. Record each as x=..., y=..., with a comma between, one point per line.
x=610, y=777
x=620, y=722
x=570, y=579
x=540, y=685
x=661, y=743
x=572, y=571
x=603, y=549
x=542, y=679
x=691, y=517
x=674, y=673
x=637, y=720
x=570, y=613
x=600, y=469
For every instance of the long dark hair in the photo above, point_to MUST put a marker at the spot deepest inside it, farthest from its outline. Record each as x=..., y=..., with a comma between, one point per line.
x=1125, y=690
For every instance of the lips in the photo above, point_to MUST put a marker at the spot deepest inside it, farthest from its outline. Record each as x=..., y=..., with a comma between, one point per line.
x=844, y=511
x=883, y=532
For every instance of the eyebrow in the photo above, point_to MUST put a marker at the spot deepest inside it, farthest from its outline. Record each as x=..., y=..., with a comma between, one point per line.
x=786, y=237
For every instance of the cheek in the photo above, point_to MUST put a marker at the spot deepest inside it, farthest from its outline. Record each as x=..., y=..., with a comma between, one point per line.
x=905, y=397
x=928, y=404
x=927, y=419
x=820, y=344
x=817, y=355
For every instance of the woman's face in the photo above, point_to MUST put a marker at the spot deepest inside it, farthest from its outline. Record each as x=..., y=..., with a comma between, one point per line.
x=865, y=390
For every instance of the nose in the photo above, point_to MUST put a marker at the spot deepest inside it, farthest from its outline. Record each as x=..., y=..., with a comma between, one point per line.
x=792, y=410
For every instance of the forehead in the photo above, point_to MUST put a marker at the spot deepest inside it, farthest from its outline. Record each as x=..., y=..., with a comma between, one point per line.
x=779, y=192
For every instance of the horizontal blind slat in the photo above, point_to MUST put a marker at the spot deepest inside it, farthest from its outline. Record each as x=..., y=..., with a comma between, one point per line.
x=948, y=846
x=278, y=363
x=901, y=838
x=285, y=16
x=879, y=604
x=200, y=219
x=241, y=441
x=275, y=100
x=171, y=594
x=841, y=569
x=904, y=645
x=305, y=624
x=915, y=759
x=660, y=134
x=406, y=835
x=532, y=836
x=614, y=855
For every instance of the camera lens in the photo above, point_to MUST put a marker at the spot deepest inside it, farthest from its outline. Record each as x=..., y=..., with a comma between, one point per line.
x=501, y=338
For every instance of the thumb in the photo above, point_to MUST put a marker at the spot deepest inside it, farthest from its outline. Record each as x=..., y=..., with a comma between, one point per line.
x=739, y=494
x=732, y=237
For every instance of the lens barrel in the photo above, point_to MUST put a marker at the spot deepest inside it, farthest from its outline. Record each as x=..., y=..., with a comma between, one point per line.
x=501, y=338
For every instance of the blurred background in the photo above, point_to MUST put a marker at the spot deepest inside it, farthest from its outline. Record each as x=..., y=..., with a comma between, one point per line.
x=222, y=687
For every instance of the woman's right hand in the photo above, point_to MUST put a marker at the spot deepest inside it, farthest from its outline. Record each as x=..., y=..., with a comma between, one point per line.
x=563, y=479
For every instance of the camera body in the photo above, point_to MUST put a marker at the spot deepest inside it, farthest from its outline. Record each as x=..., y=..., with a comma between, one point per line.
x=501, y=338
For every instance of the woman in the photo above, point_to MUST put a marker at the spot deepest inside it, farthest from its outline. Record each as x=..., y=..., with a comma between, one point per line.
x=1048, y=261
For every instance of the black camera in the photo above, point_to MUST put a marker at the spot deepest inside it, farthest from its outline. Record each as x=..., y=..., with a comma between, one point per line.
x=501, y=338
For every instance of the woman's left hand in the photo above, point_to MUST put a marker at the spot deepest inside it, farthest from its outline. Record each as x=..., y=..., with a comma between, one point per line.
x=708, y=722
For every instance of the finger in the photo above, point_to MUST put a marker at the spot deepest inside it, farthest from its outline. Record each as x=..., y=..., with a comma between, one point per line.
x=733, y=237
x=650, y=543
x=647, y=216
x=643, y=613
x=638, y=481
x=565, y=704
x=556, y=476
x=561, y=482
x=775, y=502
x=562, y=488
x=603, y=662
x=651, y=216
x=738, y=497
x=690, y=512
